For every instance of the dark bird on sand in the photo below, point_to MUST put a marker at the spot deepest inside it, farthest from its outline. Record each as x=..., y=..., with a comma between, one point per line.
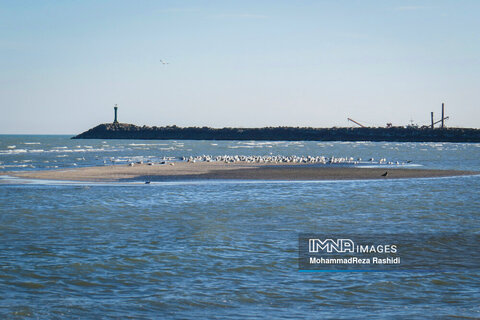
x=385, y=174
x=147, y=182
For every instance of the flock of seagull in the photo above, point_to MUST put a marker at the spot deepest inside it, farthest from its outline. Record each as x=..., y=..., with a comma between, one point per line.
x=282, y=159
x=270, y=159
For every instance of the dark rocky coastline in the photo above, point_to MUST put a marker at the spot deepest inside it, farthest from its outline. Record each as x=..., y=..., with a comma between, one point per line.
x=400, y=134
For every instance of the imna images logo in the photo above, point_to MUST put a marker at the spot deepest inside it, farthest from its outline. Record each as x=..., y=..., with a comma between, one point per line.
x=329, y=245
x=347, y=246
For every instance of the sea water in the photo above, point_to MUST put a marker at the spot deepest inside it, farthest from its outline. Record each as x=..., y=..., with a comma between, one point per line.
x=223, y=249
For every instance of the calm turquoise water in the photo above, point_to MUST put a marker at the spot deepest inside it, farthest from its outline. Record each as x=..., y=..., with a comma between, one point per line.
x=224, y=250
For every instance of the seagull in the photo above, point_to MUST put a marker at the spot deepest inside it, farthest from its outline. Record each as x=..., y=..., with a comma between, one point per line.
x=385, y=174
x=164, y=62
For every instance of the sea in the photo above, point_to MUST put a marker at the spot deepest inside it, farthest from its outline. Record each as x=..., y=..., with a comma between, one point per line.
x=228, y=249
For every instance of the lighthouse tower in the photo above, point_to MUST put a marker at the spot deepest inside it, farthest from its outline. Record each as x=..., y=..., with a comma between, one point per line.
x=115, y=108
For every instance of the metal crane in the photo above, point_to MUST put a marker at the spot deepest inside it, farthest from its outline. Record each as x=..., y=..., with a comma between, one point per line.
x=446, y=118
x=357, y=123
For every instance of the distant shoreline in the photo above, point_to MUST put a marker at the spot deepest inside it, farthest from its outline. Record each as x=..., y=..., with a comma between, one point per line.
x=393, y=134
x=225, y=171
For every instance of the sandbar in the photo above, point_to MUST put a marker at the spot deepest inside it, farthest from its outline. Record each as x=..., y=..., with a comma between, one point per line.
x=230, y=171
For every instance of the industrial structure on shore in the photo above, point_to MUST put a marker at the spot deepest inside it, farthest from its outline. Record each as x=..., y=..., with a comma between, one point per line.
x=431, y=126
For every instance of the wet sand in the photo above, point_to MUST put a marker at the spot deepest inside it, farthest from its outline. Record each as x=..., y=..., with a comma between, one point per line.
x=233, y=171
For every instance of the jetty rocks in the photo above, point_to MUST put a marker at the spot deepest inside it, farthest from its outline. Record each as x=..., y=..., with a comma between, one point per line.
x=399, y=134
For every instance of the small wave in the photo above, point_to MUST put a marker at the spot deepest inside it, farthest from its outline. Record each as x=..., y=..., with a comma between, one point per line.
x=264, y=143
x=31, y=143
x=31, y=285
x=147, y=144
x=78, y=150
x=83, y=283
x=239, y=147
x=54, y=150
x=18, y=166
x=13, y=151
x=11, y=147
x=85, y=150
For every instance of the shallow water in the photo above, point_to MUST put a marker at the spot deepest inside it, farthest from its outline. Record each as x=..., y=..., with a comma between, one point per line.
x=224, y=249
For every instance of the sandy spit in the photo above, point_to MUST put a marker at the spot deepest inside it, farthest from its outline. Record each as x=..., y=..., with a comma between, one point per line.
x=237, y=171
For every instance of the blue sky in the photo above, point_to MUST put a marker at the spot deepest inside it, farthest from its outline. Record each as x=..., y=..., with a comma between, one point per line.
x=64, y=64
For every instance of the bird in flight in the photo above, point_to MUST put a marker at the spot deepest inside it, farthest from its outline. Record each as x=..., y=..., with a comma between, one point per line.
x=164, y=62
